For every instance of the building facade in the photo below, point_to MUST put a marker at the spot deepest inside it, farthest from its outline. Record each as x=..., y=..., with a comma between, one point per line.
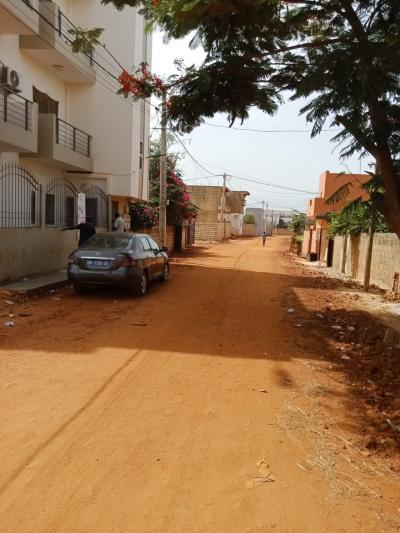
x=221, y=211
x=69, y=145
x=316, y=239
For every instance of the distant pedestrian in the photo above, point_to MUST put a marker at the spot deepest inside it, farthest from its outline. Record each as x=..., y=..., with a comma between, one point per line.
x=119, y=223
x=86, y=230
x=264, y=238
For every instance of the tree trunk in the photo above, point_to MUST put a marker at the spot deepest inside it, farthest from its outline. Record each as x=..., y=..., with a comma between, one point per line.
x=368, y=260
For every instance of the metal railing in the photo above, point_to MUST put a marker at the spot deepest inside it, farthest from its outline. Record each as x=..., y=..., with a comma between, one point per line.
x=20, y=197
x=64, y=25
x=73, y=138
x=60, y=202
x=15, y=109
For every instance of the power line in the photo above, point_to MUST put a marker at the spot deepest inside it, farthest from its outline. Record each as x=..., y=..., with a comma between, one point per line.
x=264, y=131
x=105, y=82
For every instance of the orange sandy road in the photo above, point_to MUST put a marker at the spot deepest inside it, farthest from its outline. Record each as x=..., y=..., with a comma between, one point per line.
x=109, y=425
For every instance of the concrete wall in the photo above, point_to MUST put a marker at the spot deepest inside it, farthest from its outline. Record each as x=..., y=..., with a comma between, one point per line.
x=282, y=231
x=258, y=214
x=350, y=258
x=249, y=230
x=31, y=251
x=208, y=200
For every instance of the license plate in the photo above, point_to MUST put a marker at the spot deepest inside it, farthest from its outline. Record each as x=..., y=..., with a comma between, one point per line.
x=98, y=263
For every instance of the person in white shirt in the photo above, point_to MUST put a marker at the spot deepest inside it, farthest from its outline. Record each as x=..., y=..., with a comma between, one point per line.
x=119, y=224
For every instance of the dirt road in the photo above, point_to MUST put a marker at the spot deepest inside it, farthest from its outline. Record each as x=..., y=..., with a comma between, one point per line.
x=171, y=414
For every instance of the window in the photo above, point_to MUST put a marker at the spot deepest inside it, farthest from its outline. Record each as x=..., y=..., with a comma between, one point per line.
x=146, y=244
x=50, y=209
x=70, y=211
x=141, y=154
x=92, y=210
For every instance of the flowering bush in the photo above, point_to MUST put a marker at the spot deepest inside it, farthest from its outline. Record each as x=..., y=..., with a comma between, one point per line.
x=143, y=215
x=180, y=207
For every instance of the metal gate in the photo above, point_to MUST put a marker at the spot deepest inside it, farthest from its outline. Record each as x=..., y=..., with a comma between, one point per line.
x=97, y=206
x=61, y=204
x=20, y=197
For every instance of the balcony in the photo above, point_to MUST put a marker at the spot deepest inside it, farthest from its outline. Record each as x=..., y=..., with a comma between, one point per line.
x=52, y=46
x=19, y=17
x=62, y=145
x=18, y=123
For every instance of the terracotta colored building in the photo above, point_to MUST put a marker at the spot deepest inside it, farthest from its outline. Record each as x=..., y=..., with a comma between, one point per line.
x=316, y=233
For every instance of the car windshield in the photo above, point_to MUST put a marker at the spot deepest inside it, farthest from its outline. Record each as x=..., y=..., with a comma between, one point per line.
x=106, y=241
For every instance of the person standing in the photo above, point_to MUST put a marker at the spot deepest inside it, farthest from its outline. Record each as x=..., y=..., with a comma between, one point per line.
x=86, y=230
x=264, y=238
x=119, y=223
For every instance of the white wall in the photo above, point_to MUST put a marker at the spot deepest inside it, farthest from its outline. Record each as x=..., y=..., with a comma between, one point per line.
x=116, y=125
x=33, y=73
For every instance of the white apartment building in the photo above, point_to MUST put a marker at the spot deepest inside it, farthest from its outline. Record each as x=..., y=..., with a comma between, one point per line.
x=64, y=132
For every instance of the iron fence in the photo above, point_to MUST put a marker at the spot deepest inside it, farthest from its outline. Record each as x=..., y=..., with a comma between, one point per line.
x=20, y=198
x=61, y=200
x=15, y=109
x=73, y=138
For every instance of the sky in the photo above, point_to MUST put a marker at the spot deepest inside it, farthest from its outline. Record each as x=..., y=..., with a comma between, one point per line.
x=292, y=160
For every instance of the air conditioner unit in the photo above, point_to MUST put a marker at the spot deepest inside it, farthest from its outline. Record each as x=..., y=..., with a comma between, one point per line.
x=11, y=79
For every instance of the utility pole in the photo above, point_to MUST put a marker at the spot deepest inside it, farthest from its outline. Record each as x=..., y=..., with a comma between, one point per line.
x=263, y=228
x=222, y=219
x=163, y=171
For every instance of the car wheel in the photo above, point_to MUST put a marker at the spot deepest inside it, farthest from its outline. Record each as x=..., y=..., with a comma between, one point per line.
x=165, y=273
x=140, y=287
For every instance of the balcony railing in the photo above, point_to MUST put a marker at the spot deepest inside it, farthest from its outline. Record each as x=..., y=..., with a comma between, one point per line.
x=64, y=25
x=73, y=138
x=16, y=110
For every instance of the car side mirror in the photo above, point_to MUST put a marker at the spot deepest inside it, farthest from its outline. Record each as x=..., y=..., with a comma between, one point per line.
x=164, y=249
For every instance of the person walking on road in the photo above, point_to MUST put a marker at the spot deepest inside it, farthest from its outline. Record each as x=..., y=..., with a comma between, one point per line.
x=119, y=224
x=86, y=230
x=264, y=238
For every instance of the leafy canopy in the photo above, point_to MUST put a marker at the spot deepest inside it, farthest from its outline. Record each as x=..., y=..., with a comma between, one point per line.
x=297, y=223
x=341, y=56
x=355, y=220
x=249, y=218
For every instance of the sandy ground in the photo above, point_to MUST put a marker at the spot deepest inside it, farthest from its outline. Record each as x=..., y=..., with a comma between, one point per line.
x=203, y=407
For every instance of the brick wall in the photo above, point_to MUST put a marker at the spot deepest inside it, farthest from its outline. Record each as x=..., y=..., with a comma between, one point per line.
x=350, y=257
x=212, y=231
x=155, y=233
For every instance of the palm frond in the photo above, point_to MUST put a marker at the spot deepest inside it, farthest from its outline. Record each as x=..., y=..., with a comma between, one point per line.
x=339, y=195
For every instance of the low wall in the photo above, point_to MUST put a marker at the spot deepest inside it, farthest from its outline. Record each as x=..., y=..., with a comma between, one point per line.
x=282, y=231
x=34, y=251
x=155, y=233
x=350, y=255
x=213, y=231
x=249, y=230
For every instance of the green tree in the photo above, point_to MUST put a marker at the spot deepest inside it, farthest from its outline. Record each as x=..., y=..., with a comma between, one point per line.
x=249, y=219
x=297, y=224
x=355, y=219
x=340, y=55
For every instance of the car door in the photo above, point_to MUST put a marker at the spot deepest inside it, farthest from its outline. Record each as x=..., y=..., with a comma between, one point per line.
x=159, y=256
x=150, y=259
